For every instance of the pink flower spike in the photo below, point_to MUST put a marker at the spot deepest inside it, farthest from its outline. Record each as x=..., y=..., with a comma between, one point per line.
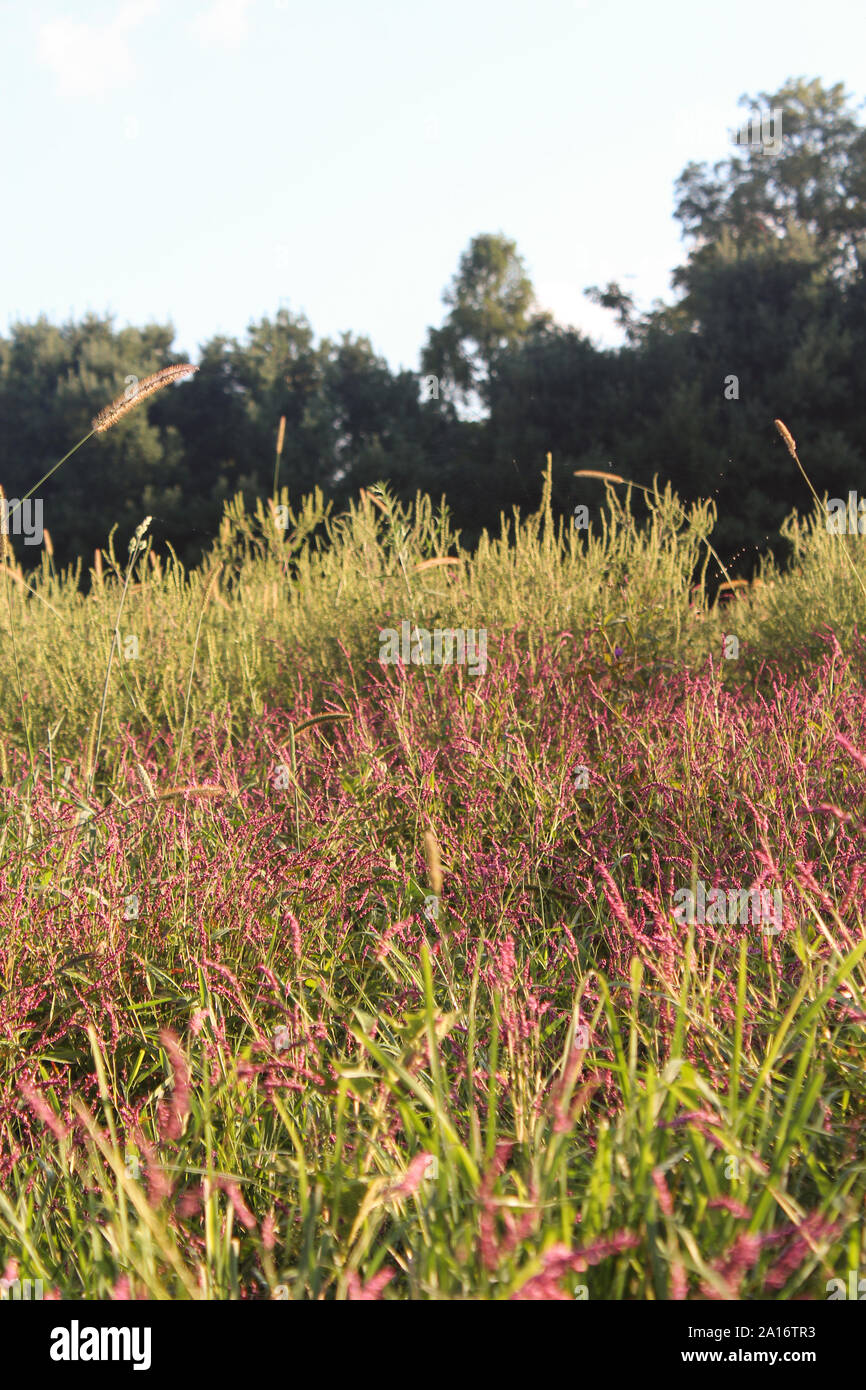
x=42, y=1110
x=372, y=1291
x=859, y=758
x=413, y=1177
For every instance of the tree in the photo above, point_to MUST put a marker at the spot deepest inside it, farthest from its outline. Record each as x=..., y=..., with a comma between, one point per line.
x=620, y=303
x=492, y=308
x=771, y=302
x=816, y=181
x=553, y=392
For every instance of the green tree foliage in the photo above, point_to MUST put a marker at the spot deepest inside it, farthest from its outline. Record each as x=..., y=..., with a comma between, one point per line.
x=769, y=295
x=492, y=309
x=816, y=181
x=52, y=382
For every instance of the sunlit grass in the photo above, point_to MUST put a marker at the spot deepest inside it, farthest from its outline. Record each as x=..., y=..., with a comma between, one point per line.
x=240, y=1054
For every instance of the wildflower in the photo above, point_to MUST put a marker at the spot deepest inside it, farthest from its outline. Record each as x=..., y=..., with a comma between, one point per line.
x=663, y=1192
x=269, y=1231
x=558, y=1261
x=42, y=1110
x=173, y=1113
x=412, y=1178
x=295, y=931
x=370, y=1292
x=241, y=1210
x=679, y=1282
x=734, y=1207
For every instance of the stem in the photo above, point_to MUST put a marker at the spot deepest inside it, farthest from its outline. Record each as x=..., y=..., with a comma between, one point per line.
x=51, y=470
x=214, y=577
x=24, y=720
x=115, y=640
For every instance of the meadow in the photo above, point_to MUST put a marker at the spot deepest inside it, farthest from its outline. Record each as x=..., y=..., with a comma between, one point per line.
x=326, y=979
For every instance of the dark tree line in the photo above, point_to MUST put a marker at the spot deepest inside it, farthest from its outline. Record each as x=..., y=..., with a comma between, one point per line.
x=770, y=320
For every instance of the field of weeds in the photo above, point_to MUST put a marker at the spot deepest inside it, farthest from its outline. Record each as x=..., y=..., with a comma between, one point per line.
x=326, y=979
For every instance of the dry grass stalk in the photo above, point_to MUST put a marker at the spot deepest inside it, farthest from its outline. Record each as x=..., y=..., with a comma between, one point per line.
x=5, y=547
x=194, y=789
x=124, y=404
x=377, y=501
x=791, y=445
x=593, y=473
x=431, y=564
x=434, y=862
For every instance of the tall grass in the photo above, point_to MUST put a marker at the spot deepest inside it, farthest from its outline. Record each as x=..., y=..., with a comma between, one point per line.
x=235, y=1039
x=319, y=589
x=240, y=1056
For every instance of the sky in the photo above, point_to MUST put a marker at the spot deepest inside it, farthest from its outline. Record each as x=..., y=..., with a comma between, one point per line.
x=209, y=163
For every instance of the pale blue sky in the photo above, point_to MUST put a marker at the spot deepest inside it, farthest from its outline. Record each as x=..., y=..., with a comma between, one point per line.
x=204, y=163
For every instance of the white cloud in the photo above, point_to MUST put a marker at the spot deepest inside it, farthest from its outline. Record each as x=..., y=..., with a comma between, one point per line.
x=90, y=59
x=224, y=22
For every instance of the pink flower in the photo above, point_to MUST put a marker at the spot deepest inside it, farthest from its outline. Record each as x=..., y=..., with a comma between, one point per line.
x=558, y=1261
x=173, y=1112
x=679, y=1282
x=413, y=1177
x=43, y=1111
x=241, y=1209
x=295, y=932
x=188, y=1203
x=729, y=1204
x=664, y=1195
x=851, y=750
x=158, y=1185
x=370, y=1292
x=269, y=1231
x=507, y=960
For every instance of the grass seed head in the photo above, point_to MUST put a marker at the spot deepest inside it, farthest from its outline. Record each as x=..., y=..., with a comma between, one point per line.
x=124, y=404
x=787, y=436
